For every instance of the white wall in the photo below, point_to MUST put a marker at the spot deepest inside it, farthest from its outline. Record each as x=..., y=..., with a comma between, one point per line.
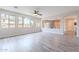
x=13, y=32
x=18, y=31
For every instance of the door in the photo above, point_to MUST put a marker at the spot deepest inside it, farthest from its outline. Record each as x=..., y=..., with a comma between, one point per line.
x=70, y=26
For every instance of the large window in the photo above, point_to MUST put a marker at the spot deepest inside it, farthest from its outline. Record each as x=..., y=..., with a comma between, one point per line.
x=27, y=23
x=20, y=22
x=31, y=23
x=4, y=20
x=12, y=21
x=47, y=23
x=38, y=23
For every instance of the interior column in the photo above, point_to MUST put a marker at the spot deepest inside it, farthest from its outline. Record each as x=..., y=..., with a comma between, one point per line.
x=77, y=26
x=62, y=27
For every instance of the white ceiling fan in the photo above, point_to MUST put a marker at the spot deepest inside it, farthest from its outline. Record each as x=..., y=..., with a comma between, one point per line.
x=36, y=12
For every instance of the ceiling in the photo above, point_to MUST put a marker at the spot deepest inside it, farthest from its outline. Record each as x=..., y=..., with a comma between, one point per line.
x=47, y=11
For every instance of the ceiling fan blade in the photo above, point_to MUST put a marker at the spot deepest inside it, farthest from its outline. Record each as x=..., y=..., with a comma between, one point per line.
x=40, y=14
x=35, y=12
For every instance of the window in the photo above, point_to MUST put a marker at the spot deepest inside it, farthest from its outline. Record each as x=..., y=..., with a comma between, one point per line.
x=20, y=22
x=46, y=23
x=4, y=20
x=38, y=23
x=12, y=21
x=31, y=23
x=27, y=22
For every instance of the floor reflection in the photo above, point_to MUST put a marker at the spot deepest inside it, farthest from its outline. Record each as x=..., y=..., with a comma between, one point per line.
x=40, y=42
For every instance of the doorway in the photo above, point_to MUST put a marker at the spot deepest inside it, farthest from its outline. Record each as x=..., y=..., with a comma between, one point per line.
x=70, y=25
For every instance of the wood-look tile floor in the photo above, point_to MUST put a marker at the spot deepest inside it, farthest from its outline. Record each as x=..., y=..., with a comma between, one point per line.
x=40, y=42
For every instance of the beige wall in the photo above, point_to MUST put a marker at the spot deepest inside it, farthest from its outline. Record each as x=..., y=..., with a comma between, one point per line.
x=70, y=25
x=56, y=24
